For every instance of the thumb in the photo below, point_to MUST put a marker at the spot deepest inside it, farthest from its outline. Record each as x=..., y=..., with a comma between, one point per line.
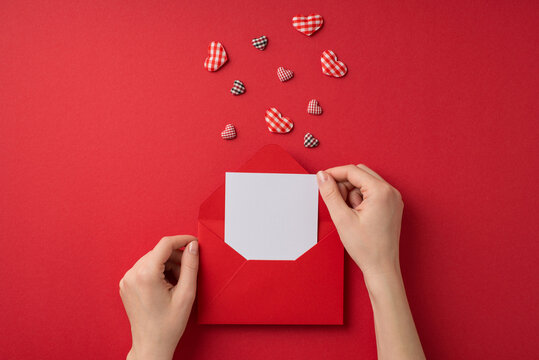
x=185, y=290
x=338, y=209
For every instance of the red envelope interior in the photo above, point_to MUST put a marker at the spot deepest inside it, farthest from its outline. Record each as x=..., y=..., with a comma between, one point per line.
x=233, y=290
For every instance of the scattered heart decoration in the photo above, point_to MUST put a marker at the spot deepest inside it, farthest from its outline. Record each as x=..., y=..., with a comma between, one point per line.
x=260, y=43
x=284, y=74
x=217, y=56
x=238, y=88
x=307, y=25
x=229, y=132
x=278, y=123
x=310, y=141
x=314, y=107
x=331, y=66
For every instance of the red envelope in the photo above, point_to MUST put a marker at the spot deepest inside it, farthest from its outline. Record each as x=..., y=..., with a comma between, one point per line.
x=233, y=290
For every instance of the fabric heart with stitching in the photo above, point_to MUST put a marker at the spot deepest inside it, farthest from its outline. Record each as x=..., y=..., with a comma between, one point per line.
x=278, y=123
x=229, y=132
x=284, y=74
x=260, y=43
x=314, y=107
x=307, y=25
x=309, y=141
x=331, y=66
x=217, y=56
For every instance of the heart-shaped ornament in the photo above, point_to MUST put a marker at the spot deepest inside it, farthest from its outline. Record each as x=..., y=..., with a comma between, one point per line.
x=238, y=88
x=307, y=25
x=216, y=56
x=278, y=123
x=331, y=66
x=260, y=43
x=284, y=74
x=314, y=107
x=310, y=141
x=229, y=132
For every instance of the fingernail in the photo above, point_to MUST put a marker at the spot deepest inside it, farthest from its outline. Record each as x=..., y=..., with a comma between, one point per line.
x=193, y=247
x=322, y=176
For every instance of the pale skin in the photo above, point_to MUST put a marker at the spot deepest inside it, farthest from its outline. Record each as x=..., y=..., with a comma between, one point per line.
x=159, y=290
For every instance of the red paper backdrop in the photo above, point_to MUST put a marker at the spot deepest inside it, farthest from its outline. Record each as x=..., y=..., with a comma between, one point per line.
x=109, y=139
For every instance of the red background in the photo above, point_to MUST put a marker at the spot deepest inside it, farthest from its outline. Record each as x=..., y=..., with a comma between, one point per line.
x=109, y=139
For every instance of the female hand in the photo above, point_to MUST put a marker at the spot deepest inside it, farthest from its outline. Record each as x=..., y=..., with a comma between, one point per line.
x=367, y=213
x=158, y=293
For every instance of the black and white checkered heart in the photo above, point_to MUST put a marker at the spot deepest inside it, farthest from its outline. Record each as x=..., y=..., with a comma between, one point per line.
x=310, y=141
x=238, y=88
x=260, y=43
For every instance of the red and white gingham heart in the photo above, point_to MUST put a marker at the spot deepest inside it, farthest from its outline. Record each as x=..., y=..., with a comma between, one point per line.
x=278, y=123
x=331, y=66
x=229, y=132
x=216, y=56
x=284, y=74
x=307, y=24
x=314, y=107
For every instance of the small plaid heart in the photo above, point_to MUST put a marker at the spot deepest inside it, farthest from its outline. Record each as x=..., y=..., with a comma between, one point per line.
x=229, y=132
x=216, y=56
x=260, y=43
x=284, y=74
x=331, y=66
x=314, y=107
x=278, y=123
x=310, y=141
x=307, y=24
x=238, y=88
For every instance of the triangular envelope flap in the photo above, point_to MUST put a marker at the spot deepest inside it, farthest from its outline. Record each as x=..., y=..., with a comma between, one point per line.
x=325, y=224
x=269, y=159
x=272, y=159
x=216, y=255
x=212, y=211
x=324, y=227
x=319, y=272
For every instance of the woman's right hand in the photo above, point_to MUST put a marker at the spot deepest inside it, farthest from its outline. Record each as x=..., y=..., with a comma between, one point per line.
x=367, y=213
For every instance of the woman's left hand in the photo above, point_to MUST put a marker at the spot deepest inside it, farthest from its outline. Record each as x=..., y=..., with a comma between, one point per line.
x=158, y=294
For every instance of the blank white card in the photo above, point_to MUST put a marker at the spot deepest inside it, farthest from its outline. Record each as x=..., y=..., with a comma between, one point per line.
x=271, y=216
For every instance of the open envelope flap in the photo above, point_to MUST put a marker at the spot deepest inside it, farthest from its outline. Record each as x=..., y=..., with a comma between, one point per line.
x=218, y=266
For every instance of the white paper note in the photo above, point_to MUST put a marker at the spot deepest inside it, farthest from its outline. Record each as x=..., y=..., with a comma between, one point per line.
x=271, y=216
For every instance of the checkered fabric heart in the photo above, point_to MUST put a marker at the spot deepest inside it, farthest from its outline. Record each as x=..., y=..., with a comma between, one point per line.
x=284, y=74
x=314, y=107
x=310, y=141
x=331, y=66
x=229, y=132
x=307, y=24
x=278, y=123
x=216, y=56
x=238, y=88
x=260, y=42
